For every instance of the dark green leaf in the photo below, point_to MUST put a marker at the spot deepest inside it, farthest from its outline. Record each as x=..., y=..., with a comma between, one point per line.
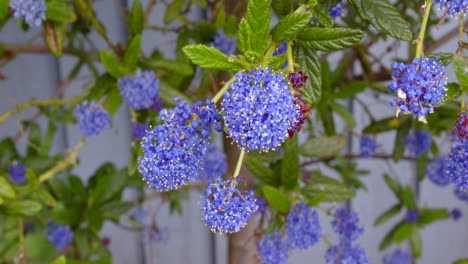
x=34, y=139
x=322, y=17
x=351, y=89
x=38, y=247
x=393, y=211
x=276, y=199
x=173, y=11
x=59, y=11
x=327, y=189
x=112, y=64
x=282, y=7
x=4, y=13
x=135, y=19
x=329, y=39
x=46, y=197
x=167, y=94
x=399, y=146
x=323, y=147
x=211, y=58
x=393, y=185
x=444, y=57
x=70, y=213
x=403, y=232
x=421, y=165
x=461, y=71
x=6, y=190
x=309, y=62
x=23, y=208
x=115, y=208
x=182, y=68
x=416, y=242
x=389, y=237
x=132, y=53
x=384, y=16
x=453, y=92
x=81, y=241
x=260, y=171
x=78, y=187
x=254, y=28
x=290, y=164
x=428, y=216
x=113, y=102
x=407, y=198
x=102, y=86
x=289, y=26
x=95, y=219
x=383, y=125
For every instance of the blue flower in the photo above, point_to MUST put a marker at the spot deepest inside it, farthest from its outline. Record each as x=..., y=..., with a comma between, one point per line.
x=17, y=172
x=456, y=214
x=346, y=253
x=337, y=10
x=59, y=235
x=346, y=225
x=420, y=86
x=461, y=126
x=223, y=43
x=141, y=91
x=303, y=226
x=454, y=6
x=273, y=249
x=418, y=142
x=412, y=216
x=157, y=105
x=281, y=49
x=435, y=171
x=398, y=257
x=33, y=12
x=214, y=164
x=461, y=194
x=258, y=110
x=225, y=208
x=262, y=204
x=457, y=165
x=138, y=130
x=368, y=146
x=92, y=118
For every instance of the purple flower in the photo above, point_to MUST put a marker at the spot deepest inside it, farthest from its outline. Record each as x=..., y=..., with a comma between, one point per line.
x=17, y=172
x=456, y=214
x=92, y=118
x=368, y=146
x=262, y=204
x=453, y=6
x=461, y=126
x=346, y=225
x=223, y=43
x=418, y=142
x=346, y=253
x=412, y=216
x=337, y=10
x=138, y=130
x=214, y=165
x=302, y=226
x=297, y=79
x=281, y=49
x=157, y=105
x=59, y=235
x=398, y=257
x=141, y=91
x=33, y=12
x=457, y=164
x=273, y=249
x=435, y=171
x=461, y=194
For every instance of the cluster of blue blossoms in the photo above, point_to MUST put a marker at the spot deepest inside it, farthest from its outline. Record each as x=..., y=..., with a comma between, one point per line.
x=367, y=146
x=59, y=235
x=33, y=12
x=92, y=118
x=141, y=91
x=435, y=171
x=457, y=165
x=418, y=142
x=223, y=43
x=273, y=249
x=138, y=130
x=214, y=165
x=454, y=7
x=420, y=86
x=17, y=172
x=258, y=110
x=337, y=10
x=398, y=257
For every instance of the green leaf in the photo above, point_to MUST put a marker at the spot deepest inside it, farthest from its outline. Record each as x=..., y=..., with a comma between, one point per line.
x=322, y=17
x=46, y=142
x=276, y=199
x=132, y=53
x=23, y=208
x=393, y=185
x=173, y=11
x=115, y=208
x=461, y=261
x=453, y=92
x=461, y=71
x=95, y=219
x=445, y=58
x=211, y=58
x=389, y=237
x=310, y=65
x=60, y=260
x=113, y=102
x=384, y=16
x=345, y=114
x=278, y=61
x=102, y=86
x=78, y=187
x=351, y=89
x=6, y=190
x=416, y=242
x=403, y=232
x=282, y=7
x=383, y=125
x=260, y=171
x=4, y=13
x=428, y=216
x=290, y=164
x=323, y=146
x=329, y=39
x=55, y=36
x=46, y=197
x=70, y=213
x=59, y=11
x=38, y=247
x=393, y=211
x=289, y=26
x=399, y=146
x=254, y=28
x=112, y=64
x=407, y=198
x=81, y=241
x=135, y=19
x=328, y=189
x=182, y=68
x=421, y=165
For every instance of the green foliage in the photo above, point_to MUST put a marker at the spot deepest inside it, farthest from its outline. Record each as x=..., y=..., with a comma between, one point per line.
x=329, y=39
x=211, y=58
x=323, y=147
x=290, y=26
x=277, y=199
x=461, y=71
x=254, y=28
x=326, y=189
x=310, y=65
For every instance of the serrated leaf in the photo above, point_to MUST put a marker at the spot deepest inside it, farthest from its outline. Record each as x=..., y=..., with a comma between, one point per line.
x=322, y=17
x=323, y=146
x=282, y=7
x=276, y=199
x=111, y=64
x=23, y=208
x=461, y=71
x=211, y=58
x=329, y=39
x=289, y=26
x=6, y=190
x=260, y=171
x=384, y=16
x=278, y=61
x=173, y=11
x=393, y=211
x=132, y=53
x=290, y=164
x=310, y=65
x=254, y=28
x=328, y=189
x=135, y=19
x=59, y=11
x=445, y=58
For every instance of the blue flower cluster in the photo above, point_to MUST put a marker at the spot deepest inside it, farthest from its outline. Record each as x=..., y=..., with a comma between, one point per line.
x=17, y=172
x=457, y=164
x=225, y=208
x=461, y=126
x=418, y=142
x=223, y=43
x=420, y=86
x=462, y=195
x=157, y=105
x=337, y=10
x=454, y=7
x=398, y=257
x=262, y=204
x=412, y=216
x=346, y=225
x=435, y=171
x=215, y=164
x=141, y=91
x=138, y=130
x=281, y=49
x=258, y=110
x=303, y=226
x=92, y=118
x=59, y=235
x=346, y=253
x=33, y=12
x=367, y=146
x=174, y=151
x=273, y=249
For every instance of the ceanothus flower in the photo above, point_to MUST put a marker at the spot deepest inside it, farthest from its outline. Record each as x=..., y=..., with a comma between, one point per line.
x=214, y=165
x=420, y=86
x=412, y=216
x=456, y=214
x=223, y=43
x=304, y=112
x=141, y=91
x=461, y=126
x=297, y=79
x=281, y=49
x=346, y=225
x=367, y=146
x=435, y=171
x=273, y=249
x=92, y=118
x=398, y=257
x=262, y=204
x=259, y=109
x=418, y=142
x=303, y=226
x=346, y=253
x=462, y=195
x=454, y=7
x=337, y=10
x=17, y=172
x=138, y=130
x=457, y=164
x=33, y=12
x=59, y=235
x=225, y=208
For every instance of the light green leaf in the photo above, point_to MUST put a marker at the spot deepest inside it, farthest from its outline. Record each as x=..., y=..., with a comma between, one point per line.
x=254, y=28
x=6, y=190
x=428, y=216
x=60, y=260
x=323, y=146
x=113, y=102
x=173, y=11
x=310, y=65
x=416, y=242
x=383, y=125
x=407, y=197
x=327, y=189
x=132, y=53
x=289, y=26
x=290, y=164
x=384, y=16
x=59, y=11
x=182, y=68
x=211, y=58
x=393, y=185
x=461, y=71
x=444, y=57
x=461, y=261
x=135, y=19
x=38, y=248
x=390, y=236
x=329, y=39
x=393, y=211
x=23, y=208
x=276, y=199
x=111, y=64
